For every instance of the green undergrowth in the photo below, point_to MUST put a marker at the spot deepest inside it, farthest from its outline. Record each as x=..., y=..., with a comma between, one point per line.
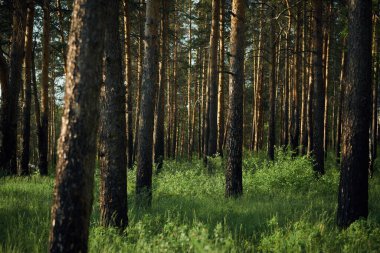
x=285, y=207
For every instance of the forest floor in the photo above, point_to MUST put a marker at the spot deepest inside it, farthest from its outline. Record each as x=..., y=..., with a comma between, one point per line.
x=284, y=208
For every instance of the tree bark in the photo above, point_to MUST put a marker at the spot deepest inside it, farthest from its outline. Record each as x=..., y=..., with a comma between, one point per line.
x=175, y=88
x=25, y=155
x=43, y=163
x=272, y=91
x=73, y=191
x=342, y=81
x=10, y=100
x=318, y=108
x=113, y=163
x=148, y=90
x=140, y=74
x=159, y=138
x=234, y=183
x=213, y=83
x=128, y=79
x=375, y=82
x=221, y=79
x=353, y=186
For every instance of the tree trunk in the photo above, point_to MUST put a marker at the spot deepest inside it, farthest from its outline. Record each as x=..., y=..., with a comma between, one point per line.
x=304, y=91
x=375, y=82
x=159, y=138
x=10, y=99
x=234, y=183
x=259, y=88
x=213, y=83
x=343, y=77
x=221, y=80
x=175, y=84
x=318, y=109
x=272, y=91
x=25, y=156
x=128, y=79
x=148, y=90
x=140, y=74
x=73, y=191
x=326, y=49
x=353, y=186
x=43, y=163
x=294, y=108
x=113, y=163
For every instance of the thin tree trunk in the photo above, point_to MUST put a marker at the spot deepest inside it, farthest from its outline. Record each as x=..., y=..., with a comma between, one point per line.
x=43, y=163
x=128, y=78
x=213, y=83
x=221, y=80
x=326, y=76
x=159, y=138
x=175, y=99
x=343, y=76
x=294, y=108
x=272, y=91
x=25, y=156
x=375, y=82
x=140, y=74
x=318, y=111
x=73, y=191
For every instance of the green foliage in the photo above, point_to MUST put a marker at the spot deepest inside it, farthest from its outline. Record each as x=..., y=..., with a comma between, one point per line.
x=284, y=208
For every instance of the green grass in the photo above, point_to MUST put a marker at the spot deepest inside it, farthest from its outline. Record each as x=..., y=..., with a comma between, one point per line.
x=284, y=208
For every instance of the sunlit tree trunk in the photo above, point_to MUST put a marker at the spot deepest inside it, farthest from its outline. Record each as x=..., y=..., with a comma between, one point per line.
x=234, y=183
x=74, y=181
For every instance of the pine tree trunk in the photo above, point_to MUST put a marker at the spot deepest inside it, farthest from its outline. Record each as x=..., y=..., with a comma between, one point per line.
x=221, y=80
x=148, y=90
x=342, y=81
x=140, y=74
x=318, y=109
x=159, y=138
x=175, y=88
x=213, y=83
x=128, y=79
x=43, y=163
x=25, y=156
x=234, y=183
x=10, y=99
x=73, y=191
x=353, y=186
x=375, y=82
x=113, y=162
x=272, y=91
